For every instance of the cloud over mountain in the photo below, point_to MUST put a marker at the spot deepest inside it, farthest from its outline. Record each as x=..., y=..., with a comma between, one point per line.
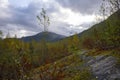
x=20, y=19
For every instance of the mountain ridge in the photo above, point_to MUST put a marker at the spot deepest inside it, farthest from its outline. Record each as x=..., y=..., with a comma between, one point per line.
x=48, y=36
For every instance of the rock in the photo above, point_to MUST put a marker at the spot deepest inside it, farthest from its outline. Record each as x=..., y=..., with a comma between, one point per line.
x=90, y=62
x=114, y=77
x=103, y=67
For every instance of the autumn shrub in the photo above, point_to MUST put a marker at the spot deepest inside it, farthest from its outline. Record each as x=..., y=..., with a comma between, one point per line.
x=88, y=43
x=53, y=72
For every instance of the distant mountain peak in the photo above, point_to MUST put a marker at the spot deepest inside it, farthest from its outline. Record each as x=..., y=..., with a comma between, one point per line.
x=48, y=36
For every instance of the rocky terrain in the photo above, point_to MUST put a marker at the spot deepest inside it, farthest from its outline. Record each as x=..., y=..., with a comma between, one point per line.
x=103, y=67
x=100, y=67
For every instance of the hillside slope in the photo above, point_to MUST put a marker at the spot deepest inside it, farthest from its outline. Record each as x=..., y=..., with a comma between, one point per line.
x=103, y=35
x=81, y=66
x=113, y=20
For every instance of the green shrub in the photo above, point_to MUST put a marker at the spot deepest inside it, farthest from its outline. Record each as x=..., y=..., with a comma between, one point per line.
x=84, y=75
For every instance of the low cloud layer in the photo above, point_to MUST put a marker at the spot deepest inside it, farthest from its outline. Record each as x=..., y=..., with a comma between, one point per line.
x=65, y=15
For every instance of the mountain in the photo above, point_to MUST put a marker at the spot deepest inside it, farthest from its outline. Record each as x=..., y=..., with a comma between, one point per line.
x=48, y=36
x=112, y=23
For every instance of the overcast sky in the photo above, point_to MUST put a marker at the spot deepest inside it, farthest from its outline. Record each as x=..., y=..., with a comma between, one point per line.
x=67, y=16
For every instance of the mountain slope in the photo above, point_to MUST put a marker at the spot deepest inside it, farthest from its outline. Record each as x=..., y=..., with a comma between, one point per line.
x=112, y=22
x=48, y=36
x=103, y=35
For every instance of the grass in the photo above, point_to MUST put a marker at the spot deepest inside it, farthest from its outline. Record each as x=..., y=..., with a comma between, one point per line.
x=68, y=68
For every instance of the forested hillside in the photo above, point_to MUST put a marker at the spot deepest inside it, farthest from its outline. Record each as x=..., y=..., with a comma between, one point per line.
x=103, y=35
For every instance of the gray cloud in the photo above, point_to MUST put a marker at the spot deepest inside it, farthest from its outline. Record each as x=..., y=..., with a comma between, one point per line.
x=60, y=28
x=20, y=18
x=24, y=18
x=82, y=6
